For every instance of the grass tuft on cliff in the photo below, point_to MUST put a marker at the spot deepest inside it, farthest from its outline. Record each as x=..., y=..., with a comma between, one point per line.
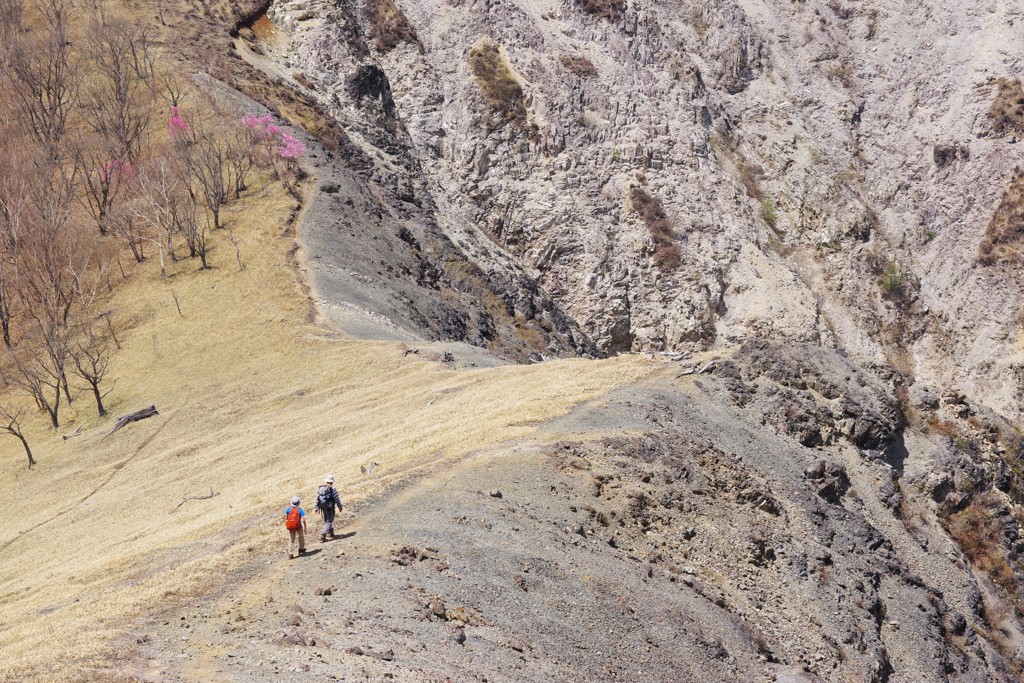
x=498, y=84
x=390, y=25
x=606, y=9
x=1007, y=111
x=1005, y=232
x=666, y=252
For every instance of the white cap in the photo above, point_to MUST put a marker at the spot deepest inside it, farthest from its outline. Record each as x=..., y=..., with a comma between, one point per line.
x=329, y=479
x=295, y=500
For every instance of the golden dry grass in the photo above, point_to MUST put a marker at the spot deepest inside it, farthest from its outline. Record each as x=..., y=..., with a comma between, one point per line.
x=256, y=404
x=498, y=84
x=1005, y=232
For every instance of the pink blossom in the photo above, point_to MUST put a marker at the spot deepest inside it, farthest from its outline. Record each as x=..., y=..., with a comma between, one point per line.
x=262, y=126
x=114, y=170
x=291, y=148
x=176, y=125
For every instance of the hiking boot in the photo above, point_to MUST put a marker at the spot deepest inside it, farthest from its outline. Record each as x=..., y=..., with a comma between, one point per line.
x=302, y=551
x=323, y=538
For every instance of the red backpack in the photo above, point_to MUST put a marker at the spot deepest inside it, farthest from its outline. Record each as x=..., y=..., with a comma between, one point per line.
x=294, y=520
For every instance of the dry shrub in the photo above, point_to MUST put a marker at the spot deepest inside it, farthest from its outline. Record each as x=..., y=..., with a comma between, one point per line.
x=1007, y=111
x=1005, y=231
x=750, y=177
x=606, y=9
x=698, y=20
x=840, y=71
x=579, y=65
x=978, y=534
x=666, y=252
x=390, y=25
x=499, y=86
x=944, y=427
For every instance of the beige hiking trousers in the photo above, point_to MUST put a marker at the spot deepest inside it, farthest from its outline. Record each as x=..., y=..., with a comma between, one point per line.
x=296, y=536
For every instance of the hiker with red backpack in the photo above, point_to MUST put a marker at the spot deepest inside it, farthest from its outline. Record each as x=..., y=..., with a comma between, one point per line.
x=295, y=522
x=326, y=501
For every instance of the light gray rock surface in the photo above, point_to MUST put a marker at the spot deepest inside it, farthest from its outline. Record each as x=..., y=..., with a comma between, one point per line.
x=863, y=125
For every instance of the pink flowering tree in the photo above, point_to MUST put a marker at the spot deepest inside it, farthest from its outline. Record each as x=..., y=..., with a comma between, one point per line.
x=291, y=149
x=177, y=126
x=273, y=143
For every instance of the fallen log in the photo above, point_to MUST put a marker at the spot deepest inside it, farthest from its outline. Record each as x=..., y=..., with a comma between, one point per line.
x=132, y=417
x=188, y=498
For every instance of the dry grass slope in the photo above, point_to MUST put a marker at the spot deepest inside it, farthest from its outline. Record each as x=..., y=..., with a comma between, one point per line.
x=256, y=403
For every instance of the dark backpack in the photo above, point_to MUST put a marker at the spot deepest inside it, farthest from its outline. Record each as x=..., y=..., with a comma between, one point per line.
x=324, y=499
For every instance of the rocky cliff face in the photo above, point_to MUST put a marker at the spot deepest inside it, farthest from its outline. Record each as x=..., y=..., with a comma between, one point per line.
x=677, y=175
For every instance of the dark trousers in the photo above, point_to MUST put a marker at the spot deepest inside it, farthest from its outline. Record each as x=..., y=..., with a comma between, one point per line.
x=328, y=527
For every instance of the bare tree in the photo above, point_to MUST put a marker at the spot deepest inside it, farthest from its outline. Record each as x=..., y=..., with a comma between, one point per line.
x=51, y=255
x=90, y=355
x=118, y=105
x=30, y=371
x=44, y=78
x=16, y=182
x=11, y=13
x=127, y=225
x=10, y=422
x=171, y=89
x=241, y=156
x=206, y=157
x=103, y=173
x=191, y=227
x=156, y=194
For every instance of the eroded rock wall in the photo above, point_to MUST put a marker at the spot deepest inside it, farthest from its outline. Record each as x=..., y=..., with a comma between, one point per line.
x=828, y=170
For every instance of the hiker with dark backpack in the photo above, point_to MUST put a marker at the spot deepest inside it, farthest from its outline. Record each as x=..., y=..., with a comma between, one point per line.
x=295, y=523
x=327, y=501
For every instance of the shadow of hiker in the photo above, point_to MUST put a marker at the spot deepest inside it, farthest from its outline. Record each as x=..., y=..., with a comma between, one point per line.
x=313, y=551
x=341, y=537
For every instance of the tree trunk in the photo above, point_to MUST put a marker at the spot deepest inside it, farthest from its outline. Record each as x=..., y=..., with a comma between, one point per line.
x=136, y=250
x=99, y=398
x=28, y=451
x=163, y=270
x=67, y=389
x=54, y=408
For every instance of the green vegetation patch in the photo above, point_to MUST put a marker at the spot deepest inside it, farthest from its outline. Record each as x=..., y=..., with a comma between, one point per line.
x=892, y=279
x=498, y=84
x=769, y=212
